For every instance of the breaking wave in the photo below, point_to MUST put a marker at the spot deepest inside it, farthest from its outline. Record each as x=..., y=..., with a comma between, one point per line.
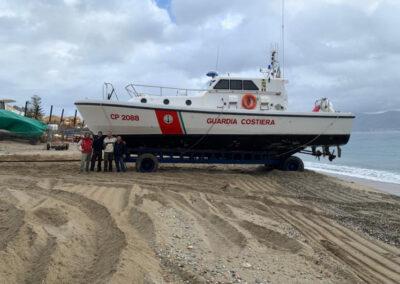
x=375, y=175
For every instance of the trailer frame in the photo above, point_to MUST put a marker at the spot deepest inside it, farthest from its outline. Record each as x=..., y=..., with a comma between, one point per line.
x=147, y=160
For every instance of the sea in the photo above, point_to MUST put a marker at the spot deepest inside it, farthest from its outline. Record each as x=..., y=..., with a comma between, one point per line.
x=372, y=156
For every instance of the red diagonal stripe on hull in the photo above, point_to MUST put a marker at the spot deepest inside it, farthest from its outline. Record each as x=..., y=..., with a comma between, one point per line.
x=169, y=122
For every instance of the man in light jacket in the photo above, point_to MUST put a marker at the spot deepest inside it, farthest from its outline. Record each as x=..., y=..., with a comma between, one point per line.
x=108, y=143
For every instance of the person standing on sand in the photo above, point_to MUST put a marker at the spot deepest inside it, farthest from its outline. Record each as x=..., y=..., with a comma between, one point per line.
x=119, y=154
x=85, y=146
x=108, y=143
x=97, y=146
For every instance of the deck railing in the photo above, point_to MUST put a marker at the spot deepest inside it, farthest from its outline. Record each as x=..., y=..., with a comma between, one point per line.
x=136, y=90
x=108, y=91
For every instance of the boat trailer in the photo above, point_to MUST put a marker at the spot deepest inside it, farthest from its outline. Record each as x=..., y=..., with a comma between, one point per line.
x=148, y=160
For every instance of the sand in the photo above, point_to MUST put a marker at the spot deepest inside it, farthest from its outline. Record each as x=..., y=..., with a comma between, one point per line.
x=190, y=224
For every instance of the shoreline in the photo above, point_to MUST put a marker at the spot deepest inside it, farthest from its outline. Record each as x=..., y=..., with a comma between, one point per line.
x=385, y=187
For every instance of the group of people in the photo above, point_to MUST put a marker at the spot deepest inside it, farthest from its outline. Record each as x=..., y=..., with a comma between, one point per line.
x=92, y=150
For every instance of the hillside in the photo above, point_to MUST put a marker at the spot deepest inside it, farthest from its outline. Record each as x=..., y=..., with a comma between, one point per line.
x=389, y=120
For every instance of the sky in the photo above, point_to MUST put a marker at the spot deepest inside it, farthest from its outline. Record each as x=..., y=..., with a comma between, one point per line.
x=63, y=50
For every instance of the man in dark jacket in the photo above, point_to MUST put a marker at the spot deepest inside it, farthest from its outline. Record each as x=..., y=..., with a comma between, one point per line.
x=97, y=146
x=119, y=154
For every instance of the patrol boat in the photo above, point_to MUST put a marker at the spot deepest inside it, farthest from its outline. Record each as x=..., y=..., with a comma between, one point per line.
x=229, y=114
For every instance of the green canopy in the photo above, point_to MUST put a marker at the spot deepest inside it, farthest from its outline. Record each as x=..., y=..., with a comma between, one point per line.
x=20, y=125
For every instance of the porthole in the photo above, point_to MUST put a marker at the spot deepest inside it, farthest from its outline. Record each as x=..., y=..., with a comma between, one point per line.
x=166, y=101
x=188, y=102
x=143, y=101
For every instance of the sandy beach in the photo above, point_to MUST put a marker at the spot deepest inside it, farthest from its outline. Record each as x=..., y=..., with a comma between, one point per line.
x=189, y=224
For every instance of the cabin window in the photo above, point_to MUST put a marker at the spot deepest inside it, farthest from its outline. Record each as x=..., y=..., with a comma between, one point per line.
x=222, y=84
x=236, y=84
x=249, y=85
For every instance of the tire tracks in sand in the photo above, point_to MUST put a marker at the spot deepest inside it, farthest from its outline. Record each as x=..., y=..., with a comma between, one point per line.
x=110, y=240
x=114, y=225
x=95, y=232
x=137, y=259
x=11, y=220
x=371, y=261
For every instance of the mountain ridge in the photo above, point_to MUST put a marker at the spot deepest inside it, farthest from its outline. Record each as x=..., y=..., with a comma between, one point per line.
x=382, y=121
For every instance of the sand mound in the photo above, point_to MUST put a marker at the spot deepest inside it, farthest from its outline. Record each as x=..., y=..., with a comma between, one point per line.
x=143, y=224
x=272, y=238
x=51, y=216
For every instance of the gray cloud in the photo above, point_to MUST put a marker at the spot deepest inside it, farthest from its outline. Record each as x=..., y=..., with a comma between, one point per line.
x=65, y=50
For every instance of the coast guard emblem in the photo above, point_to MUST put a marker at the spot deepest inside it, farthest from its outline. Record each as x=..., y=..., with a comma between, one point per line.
x=168, y=119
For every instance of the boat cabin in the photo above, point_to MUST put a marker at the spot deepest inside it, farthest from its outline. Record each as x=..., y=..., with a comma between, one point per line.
x=227, y=93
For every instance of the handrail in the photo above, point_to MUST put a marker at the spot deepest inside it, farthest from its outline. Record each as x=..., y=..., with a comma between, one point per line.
x=108, y=91
x=132, y=90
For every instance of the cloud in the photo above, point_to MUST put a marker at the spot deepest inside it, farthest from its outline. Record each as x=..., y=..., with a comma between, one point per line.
x=231, y=21
x=348, y=51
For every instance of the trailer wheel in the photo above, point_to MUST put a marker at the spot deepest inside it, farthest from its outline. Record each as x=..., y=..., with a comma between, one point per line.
x=146, y=163
x=292, y=163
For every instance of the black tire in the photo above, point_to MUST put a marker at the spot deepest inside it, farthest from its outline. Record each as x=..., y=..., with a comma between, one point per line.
x=147, y=163
x=67, y=147
x=292, y=163
x=48, y=147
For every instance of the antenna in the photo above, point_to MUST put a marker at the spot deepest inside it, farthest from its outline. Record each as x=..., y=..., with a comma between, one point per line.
x=216, y=63
x=283, y=38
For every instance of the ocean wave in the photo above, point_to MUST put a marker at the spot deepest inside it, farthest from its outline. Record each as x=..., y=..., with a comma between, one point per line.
x=375, y=175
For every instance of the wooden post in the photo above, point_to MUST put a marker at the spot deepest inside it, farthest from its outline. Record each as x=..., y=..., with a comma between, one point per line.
x=51, y=114
x=75, y=117
x=26, y=107
x=62, y=116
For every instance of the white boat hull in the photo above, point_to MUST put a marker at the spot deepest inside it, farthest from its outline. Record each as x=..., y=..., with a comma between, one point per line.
x=239, y=130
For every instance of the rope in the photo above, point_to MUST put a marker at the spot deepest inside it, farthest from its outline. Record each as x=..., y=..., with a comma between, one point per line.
x=312, y=140
x=37, y=161
x=208, y=130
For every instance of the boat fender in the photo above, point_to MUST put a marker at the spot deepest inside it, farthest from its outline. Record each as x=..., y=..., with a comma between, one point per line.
x=249, y=101
x=326, y=105
x=316, y=108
